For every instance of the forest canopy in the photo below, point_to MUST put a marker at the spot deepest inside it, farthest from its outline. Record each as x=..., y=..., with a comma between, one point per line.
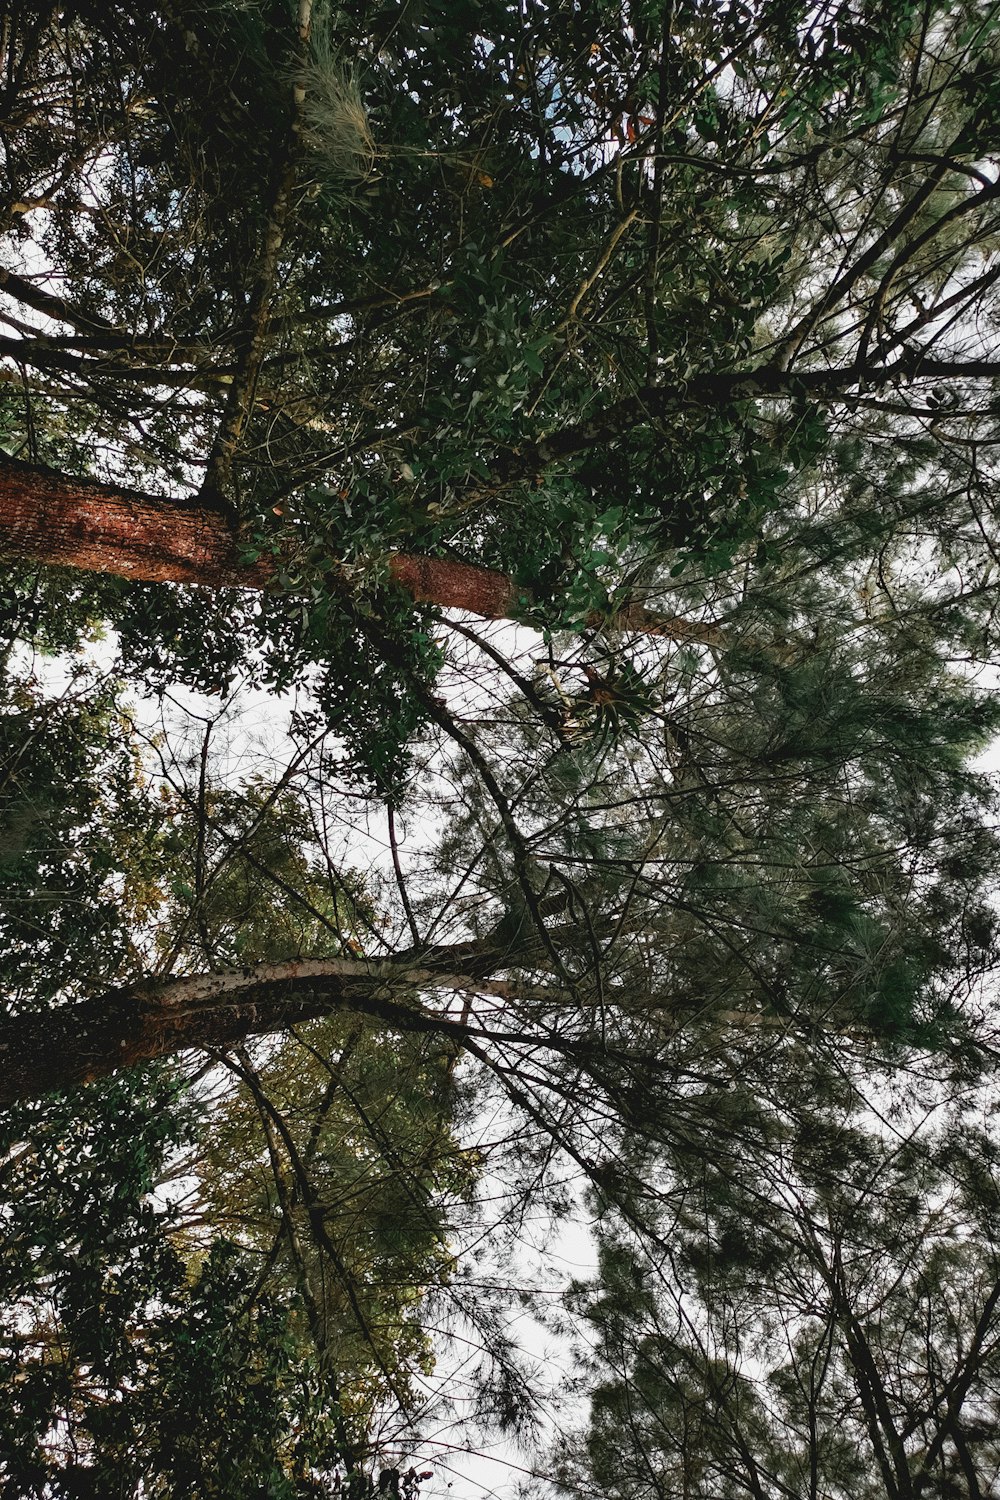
x=500, y=549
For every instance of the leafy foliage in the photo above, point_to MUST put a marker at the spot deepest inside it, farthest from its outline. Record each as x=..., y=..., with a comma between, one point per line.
x=825, y=1319
x=678, y=318
x=569, y=298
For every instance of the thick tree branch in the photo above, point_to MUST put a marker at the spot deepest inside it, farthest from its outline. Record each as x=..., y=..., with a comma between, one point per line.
x=51, y=518
x=32, y=295
x=656, y=403
x=74, y=1044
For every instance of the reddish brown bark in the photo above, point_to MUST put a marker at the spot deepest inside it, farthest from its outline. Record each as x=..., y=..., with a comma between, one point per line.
x=51, y=518
x=495, y=596
x=434, y=580
x=78, y=523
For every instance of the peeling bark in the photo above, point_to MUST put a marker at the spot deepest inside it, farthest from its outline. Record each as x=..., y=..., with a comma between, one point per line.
x=74, y=1044
x=71, y=1045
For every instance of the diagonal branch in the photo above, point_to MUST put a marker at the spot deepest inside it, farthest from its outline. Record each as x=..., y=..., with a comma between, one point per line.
x=65, y=1047
x=51, y=518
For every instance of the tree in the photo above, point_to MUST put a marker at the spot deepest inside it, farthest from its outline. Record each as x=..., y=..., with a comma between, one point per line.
x=339, y=365
x=202, y=1289
x=625, y=318
x=823, y=1321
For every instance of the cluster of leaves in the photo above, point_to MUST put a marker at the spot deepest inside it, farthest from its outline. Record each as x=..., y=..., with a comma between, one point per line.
x=342, y=1183
x=78, y=841
x=370, y=660
x=127, y=1368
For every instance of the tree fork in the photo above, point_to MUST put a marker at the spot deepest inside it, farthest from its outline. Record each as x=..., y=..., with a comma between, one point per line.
x=52, y=518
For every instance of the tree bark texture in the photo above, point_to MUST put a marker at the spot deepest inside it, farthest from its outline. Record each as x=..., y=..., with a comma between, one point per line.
x=75, y=1044
x=78, y=523
x=51, y=518
x=47, y=517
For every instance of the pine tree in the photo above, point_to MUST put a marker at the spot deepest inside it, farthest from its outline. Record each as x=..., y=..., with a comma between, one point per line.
x=818, y=1317
x=604, y=320
x=574, y=347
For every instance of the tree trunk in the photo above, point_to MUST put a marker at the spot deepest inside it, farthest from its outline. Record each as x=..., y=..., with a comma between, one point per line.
x=71, y=1045
x=47, y=517
x=74, y=1044
x=50, y=518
